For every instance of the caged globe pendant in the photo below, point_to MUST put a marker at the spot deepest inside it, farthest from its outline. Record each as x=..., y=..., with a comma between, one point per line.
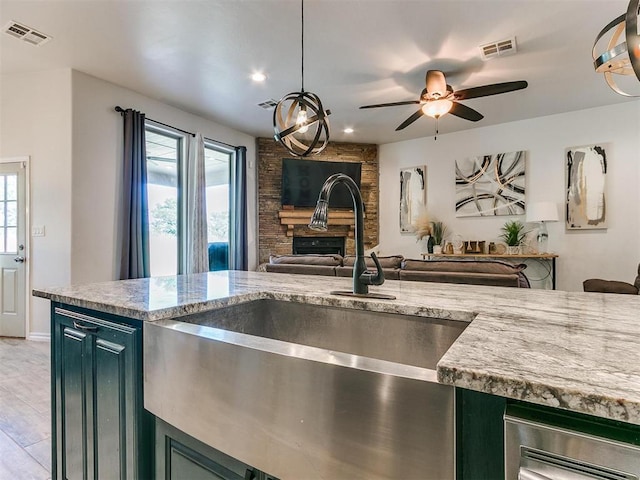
x=622, y=54
x=300, y=122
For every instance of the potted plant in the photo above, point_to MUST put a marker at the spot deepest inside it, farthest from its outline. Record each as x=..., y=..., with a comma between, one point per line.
x=438, y=232
x=513, y=234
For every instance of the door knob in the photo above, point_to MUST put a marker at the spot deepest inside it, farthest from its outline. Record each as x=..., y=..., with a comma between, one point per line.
x=19, y=259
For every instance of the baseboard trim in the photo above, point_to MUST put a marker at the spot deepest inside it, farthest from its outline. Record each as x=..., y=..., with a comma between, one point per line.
x=39, y=337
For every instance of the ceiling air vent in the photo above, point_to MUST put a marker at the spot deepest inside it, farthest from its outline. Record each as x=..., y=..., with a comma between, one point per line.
x=268, y=104
x=25, y=33
x=498, y=49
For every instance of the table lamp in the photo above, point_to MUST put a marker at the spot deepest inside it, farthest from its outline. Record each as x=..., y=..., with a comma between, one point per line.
x=541, y=212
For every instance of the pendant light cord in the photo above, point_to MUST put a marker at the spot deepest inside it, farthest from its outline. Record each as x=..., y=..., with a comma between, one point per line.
x=302, y=42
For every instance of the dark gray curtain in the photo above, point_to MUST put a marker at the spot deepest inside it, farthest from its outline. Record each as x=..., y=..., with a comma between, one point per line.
x=134, y=256
x=238, y=249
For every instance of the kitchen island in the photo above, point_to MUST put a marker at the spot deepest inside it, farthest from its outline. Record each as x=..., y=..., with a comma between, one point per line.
x=572, y=351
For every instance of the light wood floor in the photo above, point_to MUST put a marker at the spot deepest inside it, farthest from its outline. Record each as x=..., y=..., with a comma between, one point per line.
x=25, y=410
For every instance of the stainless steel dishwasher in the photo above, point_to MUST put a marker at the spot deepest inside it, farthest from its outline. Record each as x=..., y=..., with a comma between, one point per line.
x=536, y=451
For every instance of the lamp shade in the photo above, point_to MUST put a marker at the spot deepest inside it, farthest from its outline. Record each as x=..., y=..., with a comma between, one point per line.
x=437, y=108
x=542, y=212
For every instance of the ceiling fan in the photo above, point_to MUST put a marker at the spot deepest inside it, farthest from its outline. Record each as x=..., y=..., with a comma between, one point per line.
x=438, y=98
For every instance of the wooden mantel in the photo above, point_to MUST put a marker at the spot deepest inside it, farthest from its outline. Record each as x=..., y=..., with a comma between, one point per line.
x=291, y=218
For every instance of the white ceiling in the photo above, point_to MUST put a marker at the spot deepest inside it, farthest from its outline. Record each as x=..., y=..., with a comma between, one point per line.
x=198, y=55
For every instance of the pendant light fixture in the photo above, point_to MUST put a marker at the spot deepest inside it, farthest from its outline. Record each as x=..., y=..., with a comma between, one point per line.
x=622, y=55
x=300, y=122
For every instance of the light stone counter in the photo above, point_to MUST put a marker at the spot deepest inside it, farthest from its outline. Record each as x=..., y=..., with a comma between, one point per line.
x=576, y=351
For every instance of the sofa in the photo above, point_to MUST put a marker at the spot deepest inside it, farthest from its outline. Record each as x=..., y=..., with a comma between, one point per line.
x=396, y=267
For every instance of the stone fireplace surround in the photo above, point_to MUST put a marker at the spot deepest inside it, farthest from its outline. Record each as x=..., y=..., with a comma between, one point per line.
x=276, y=237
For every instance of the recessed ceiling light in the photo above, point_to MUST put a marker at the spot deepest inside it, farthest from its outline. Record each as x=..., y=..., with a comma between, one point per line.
x=348, y=130
x=258, y=77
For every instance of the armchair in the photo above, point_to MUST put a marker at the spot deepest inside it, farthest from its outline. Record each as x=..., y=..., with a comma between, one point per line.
x=612, y=286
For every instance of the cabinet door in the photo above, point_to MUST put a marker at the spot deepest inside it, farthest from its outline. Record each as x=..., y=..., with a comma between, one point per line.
x=182, y=457
x=97, y=398
x=114, y=419
x=73, y=398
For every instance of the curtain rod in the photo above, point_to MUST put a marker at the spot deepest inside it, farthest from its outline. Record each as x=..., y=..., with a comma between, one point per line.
x=121, y=110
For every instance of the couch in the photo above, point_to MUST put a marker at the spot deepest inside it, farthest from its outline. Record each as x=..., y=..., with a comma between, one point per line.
x=396, y=267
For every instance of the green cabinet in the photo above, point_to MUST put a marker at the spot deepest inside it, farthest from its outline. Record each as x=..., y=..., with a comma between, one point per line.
x=182, y=457
x=479, y=435
x=100, y=429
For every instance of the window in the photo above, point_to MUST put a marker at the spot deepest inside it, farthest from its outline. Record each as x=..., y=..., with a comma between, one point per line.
x=166, y=157
x=9, y=213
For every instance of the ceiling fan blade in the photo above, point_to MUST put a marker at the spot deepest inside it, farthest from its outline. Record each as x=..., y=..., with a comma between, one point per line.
x=493, y=89
x=436, y=83
x=394, y=104
x=462, y=111
x=410, y=120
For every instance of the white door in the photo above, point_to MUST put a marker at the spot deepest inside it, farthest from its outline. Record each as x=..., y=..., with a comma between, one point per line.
x=13, y=261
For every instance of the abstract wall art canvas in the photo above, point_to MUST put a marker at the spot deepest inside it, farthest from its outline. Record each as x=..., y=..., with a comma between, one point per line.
x=413, y=196
x=491, y=185
x=586, y=179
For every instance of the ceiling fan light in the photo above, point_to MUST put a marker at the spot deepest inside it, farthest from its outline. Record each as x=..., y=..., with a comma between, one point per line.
x=437, y=108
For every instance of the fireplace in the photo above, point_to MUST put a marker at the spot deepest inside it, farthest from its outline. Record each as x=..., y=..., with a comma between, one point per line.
x=305, y=245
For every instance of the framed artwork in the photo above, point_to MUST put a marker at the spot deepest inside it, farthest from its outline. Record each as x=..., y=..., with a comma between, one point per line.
x=413, y=196
x=586, y=179
x=491, y=185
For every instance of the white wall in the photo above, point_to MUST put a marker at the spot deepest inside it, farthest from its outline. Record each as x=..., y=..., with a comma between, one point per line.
x=35, y=112
x=613, y=253
x=97, y=156
x=64, y=121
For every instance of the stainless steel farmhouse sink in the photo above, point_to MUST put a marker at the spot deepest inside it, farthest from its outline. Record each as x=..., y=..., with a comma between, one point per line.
x=308, y=392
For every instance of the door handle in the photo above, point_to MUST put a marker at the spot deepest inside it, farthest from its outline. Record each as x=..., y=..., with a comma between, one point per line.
x=84, y=328
x=19, y=259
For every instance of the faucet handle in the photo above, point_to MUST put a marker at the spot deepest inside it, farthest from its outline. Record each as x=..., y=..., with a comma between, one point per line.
x=369, y=278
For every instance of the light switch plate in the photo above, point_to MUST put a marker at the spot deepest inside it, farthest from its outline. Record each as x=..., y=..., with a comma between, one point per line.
x=37, y=231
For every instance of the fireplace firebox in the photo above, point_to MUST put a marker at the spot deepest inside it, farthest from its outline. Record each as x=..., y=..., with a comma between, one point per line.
x=306, y=245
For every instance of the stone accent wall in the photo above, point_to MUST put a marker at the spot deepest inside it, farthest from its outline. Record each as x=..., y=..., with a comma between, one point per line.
x=272, y=236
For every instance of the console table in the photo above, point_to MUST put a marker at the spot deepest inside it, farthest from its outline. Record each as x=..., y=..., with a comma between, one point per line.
x=547, y=257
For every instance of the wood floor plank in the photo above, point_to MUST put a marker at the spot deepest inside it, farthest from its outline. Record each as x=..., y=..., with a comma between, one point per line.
x=22, y=422
x=17, y=464
x=25, y=410
x=41, y=451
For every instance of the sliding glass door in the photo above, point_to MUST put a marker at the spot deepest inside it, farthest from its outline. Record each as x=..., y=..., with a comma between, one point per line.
x=217, y=162
x=165, y=152
x=166, y=156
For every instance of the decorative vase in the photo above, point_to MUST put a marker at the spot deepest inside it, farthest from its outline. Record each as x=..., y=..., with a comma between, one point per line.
x=430, y=244
x=437, y=249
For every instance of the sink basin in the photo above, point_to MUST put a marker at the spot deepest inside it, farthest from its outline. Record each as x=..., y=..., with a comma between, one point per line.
x=308, y=392
x=408, y=340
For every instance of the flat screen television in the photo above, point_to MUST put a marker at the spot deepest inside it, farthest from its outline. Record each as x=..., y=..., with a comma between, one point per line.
x=302, y=181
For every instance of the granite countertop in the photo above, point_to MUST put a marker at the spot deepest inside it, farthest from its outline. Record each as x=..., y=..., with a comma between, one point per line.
x=569, y=350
